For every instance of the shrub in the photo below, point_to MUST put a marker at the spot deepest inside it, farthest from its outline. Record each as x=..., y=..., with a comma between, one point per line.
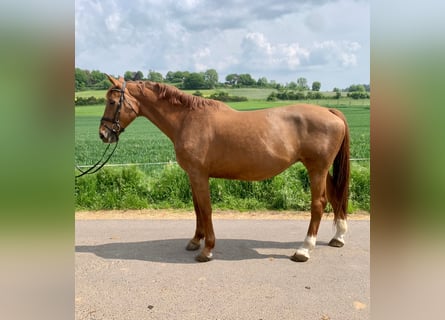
x=225, y=97
x=112, y=189
x=358, y=95
x=80, y=101
x=360, y=188
x=295, y=95
x=131, y=188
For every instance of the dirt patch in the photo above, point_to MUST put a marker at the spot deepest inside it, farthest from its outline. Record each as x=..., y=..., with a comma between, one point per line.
x=170, y=214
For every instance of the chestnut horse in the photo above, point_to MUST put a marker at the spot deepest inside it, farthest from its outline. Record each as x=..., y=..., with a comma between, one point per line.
x=213, y=140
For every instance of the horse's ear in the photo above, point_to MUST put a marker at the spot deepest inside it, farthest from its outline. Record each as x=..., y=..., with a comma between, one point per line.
x=114, y=81
x=121, y=79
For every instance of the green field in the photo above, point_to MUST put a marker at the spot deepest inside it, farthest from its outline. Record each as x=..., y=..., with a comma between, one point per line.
x=154, y=183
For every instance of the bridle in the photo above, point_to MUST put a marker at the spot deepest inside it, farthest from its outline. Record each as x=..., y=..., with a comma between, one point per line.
x=115, y=124
x=116, y=128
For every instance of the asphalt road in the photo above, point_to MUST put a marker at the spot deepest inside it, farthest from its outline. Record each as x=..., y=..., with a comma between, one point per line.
x=139, y=269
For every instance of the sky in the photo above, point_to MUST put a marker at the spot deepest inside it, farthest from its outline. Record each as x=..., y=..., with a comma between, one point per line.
x=321, y=40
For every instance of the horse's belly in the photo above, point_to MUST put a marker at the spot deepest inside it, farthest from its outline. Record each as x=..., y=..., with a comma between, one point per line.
x=250, y=171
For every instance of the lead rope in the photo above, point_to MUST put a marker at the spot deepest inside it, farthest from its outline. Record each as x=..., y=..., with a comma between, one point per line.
x=94, y=168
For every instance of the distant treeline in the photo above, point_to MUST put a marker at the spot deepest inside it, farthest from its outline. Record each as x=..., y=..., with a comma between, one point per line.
x=354, y=92
x=97, y=80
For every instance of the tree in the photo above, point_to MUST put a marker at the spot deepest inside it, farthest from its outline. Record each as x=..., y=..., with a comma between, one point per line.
x=302, y=84
x=169, y=76
x=232, y=79
x=292, y=85
x=96, y=77
x=84, y=79
x=246, y=79
x=81, y=79
x=356, y=87
x=194, y=81
x=155, y=76
x=103, y=85
x=337, y=93
x=176, y=76
x=262, y=82
x=128, y=75
x=211, y=78
x=138, y=76
x=316, y=85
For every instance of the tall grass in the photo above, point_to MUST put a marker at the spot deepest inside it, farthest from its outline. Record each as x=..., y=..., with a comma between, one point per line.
x=131, y=188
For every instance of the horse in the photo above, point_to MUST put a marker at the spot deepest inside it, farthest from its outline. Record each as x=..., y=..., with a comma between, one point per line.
x=211, y=139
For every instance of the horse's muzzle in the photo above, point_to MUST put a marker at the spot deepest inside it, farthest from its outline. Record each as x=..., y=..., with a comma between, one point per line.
x=107, y=135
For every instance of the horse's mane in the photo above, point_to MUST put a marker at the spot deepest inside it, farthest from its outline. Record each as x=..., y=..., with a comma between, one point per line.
x=175, y=96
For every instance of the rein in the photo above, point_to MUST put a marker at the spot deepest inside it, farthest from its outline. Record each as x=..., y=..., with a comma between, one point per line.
x=98, y=165
x=115, y=128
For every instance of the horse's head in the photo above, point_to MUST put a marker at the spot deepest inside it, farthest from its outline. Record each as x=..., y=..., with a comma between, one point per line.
x=121, y=109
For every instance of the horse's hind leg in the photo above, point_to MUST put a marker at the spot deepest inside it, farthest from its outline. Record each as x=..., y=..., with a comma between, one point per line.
x=341, y=225
x=318, y=204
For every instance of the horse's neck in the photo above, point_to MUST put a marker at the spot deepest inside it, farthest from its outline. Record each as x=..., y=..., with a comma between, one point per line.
x=165, y=116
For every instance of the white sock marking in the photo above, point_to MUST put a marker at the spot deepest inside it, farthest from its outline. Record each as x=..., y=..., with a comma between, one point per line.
x=307, y=246
x=342, y=228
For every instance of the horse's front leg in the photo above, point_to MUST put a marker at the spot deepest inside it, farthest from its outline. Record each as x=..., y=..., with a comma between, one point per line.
x=204, y=225
x=195, y=242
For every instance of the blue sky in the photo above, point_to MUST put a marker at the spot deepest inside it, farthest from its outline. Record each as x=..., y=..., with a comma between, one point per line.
x=321, y=40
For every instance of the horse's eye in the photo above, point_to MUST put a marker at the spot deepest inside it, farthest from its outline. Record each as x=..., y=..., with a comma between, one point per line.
x=112, y=102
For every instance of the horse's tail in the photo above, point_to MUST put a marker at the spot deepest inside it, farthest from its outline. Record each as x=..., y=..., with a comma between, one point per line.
x=341, y=173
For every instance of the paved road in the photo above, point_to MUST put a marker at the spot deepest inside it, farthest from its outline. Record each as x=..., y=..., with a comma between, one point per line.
x=139, y=269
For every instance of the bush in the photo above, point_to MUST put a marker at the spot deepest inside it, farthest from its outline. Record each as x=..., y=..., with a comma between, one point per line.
x=131, y=188
x=360, y=189
x=169, y=187
x=225, y=97
x=358, y=95
x=295, y=95
x=80, y=101
x=112, y=189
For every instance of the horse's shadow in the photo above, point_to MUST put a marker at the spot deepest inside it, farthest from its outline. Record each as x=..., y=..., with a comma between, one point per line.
x=173, y=250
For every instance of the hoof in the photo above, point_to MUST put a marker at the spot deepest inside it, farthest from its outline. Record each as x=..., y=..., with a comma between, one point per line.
x=336, y=243
x=203, y=258
x=299, y=257
x=192, y=246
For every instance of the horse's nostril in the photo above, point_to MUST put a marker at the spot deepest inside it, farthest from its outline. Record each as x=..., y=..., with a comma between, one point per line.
x=101, y=135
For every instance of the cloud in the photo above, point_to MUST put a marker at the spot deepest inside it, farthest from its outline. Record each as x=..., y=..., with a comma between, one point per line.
x=268, y=38
x=233, y=14
x=261, y=54
x=315, y=22
x=340, y=53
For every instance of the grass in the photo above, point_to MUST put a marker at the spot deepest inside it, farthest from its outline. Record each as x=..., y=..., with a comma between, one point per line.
x=154, y=185
x=131, y=188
